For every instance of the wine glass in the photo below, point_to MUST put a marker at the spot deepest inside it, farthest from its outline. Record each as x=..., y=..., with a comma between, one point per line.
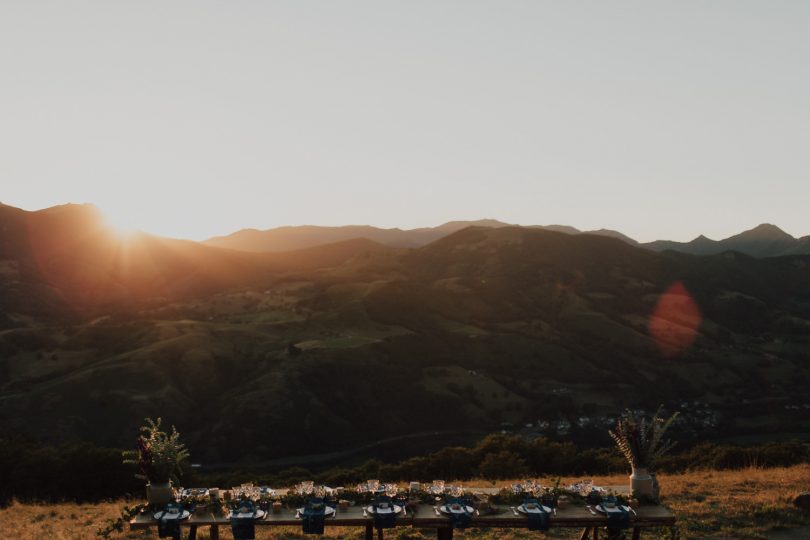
x=438, y=486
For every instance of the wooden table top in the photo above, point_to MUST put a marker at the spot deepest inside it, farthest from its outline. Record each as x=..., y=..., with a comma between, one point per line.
x=574, y=515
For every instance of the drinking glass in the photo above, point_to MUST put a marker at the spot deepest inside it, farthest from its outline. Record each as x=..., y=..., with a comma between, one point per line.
x=391, y=490
x=438, y=486
x=320, y=492
x=457, y=491
x=373, y=485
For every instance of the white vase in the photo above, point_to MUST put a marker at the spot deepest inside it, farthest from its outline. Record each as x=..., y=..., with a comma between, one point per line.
x=641, y=483
x=159, y=494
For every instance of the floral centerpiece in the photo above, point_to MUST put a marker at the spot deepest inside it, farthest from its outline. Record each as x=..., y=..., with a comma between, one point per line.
x=159, y=457
x=641, y=442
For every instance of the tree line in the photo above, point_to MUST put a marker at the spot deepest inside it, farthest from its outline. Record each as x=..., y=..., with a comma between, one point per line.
x=83, y=472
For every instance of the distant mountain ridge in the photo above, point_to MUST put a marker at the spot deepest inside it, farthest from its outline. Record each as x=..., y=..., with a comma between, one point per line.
x=765, y=240
x=68, y=259
x=297, y=237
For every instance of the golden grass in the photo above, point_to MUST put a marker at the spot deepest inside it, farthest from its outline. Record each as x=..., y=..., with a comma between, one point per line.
x=709, y=504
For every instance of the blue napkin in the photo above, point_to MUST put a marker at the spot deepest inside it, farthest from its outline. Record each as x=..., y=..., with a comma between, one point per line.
x=618, y=518
x=459, y=520
x=538, y=521
x=170, y=527
x=313, y=516
x=244, y=528
x=387, y=520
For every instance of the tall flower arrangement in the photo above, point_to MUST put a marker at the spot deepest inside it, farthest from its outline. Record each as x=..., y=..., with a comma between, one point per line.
x=159, y=456
x=641, y=440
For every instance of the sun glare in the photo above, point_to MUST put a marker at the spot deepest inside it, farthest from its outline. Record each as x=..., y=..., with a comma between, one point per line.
x=122, y=224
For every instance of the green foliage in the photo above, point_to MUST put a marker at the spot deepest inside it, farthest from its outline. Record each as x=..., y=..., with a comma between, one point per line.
x=641, y=440
x=86, y=473
x=74, y=471
x=158, y=455
x=504, y=464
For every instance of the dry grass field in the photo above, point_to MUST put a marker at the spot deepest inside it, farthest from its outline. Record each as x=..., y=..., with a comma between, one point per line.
x=750, y=503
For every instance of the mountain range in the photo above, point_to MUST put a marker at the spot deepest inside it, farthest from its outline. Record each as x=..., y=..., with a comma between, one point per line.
x=765, y=240
x=261, y=356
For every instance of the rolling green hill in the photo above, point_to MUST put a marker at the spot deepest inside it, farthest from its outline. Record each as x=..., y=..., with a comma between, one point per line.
x=262, y=356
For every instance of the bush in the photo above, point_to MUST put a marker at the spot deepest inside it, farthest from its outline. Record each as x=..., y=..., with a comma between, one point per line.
x=504, y=464
x=83, y=472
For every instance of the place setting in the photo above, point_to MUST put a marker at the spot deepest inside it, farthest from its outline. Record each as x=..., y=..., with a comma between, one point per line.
x=169, y=519
x=456, y=507
x=172, y=512
x=610, y=507
x=246, y=510
x=536, y=514
x=384, y=509
x=243, y=516
x=316, y=508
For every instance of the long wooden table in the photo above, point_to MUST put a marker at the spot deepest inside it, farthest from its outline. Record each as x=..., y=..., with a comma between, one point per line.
x=573, y=516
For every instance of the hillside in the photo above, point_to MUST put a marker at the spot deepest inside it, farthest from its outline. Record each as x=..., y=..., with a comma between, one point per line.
x=66, y=260
x=764, y=240
x=290, y=238
x=506, y=326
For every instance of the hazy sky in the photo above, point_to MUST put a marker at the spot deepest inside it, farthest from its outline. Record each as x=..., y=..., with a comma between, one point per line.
x=191, y=119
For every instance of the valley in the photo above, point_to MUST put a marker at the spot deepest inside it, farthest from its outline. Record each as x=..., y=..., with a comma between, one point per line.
x=332, y=348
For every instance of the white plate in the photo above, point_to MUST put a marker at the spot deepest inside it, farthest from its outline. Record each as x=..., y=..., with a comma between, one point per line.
x=612, y=510
x=522, y=508
x=259, y=515
x=328, y=511
x=446, y=510
x=397, y=509
x=159, y=515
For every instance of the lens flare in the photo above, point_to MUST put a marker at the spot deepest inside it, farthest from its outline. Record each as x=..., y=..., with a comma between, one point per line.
x=675, y=321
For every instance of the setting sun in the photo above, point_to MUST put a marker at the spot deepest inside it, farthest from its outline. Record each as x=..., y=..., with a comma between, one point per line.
x=123, y=223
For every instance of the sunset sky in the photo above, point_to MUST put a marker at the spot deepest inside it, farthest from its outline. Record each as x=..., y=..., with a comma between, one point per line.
x=194, y=119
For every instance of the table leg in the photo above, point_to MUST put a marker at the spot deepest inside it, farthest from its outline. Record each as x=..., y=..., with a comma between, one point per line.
x=214, y=532
x=369, y=532
x=636, y=533
x=444, y=533
x=192, y=532
x=380, y=534
x=596, y=533
x=585, y=533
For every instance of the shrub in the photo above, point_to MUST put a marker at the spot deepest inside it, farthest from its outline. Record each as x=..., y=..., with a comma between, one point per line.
x=504, y=464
